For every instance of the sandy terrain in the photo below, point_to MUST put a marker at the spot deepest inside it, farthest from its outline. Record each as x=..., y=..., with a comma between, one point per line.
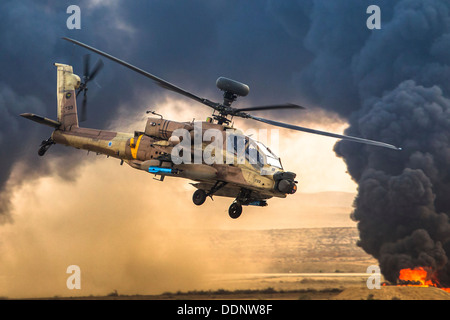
x=291, y=287
x=288, y=264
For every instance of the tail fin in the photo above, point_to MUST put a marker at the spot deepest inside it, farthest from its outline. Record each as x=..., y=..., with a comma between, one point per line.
x=67, y=103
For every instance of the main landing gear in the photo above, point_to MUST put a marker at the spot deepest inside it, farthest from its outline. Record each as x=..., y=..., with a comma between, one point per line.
x=235, y=209
x=199, y=197
x=45, y=145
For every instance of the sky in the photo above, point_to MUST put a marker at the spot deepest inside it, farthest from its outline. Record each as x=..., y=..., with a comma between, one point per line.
x=72, y=208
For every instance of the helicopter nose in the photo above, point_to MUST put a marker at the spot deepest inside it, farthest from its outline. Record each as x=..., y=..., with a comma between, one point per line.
x=285, y=182
x=287, y=186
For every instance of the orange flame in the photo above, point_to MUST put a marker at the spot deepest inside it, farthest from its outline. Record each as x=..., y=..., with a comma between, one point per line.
x=419, y=277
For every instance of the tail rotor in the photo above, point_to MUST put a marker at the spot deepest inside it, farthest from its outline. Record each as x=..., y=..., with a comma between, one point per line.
x=88, y=75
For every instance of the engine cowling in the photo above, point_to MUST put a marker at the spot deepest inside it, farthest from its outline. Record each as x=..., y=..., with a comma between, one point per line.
x=163, y=129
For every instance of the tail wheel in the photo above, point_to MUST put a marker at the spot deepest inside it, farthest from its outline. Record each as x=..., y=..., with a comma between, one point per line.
x=235, y=210
x=45, y=145
x=199, y=197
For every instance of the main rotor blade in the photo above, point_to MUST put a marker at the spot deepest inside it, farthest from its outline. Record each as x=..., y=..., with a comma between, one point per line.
x=161, y=82
x=272, y=107
x=324, y=133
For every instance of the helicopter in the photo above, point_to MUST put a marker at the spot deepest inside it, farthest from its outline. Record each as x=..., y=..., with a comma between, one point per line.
x=238, y=166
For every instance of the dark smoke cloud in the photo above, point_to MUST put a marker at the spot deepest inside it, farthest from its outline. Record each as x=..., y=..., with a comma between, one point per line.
x=9, y=138
x=402, y=204
x=352, y=63
x=30, y=33
x=392, y=87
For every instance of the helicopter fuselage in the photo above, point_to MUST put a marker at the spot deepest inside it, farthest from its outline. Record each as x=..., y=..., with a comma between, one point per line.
x=153, y=151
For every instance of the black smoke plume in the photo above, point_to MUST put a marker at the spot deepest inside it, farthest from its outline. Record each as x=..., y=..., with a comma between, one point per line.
x=392, y=85
x=403, y=205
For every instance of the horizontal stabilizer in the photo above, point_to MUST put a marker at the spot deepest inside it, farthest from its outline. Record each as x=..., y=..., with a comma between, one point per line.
x=41, y=120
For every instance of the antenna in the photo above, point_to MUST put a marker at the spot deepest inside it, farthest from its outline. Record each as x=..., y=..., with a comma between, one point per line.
x=153, y=112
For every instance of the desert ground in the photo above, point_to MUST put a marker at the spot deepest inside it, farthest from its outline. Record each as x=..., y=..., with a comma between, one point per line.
x=310, y=254
x=287, y=264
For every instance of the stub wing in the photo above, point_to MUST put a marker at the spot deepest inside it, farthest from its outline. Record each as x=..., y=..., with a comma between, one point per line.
x=42, y=120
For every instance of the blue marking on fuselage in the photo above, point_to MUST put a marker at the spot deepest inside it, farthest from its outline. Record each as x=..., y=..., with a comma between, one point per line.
x=159, y=170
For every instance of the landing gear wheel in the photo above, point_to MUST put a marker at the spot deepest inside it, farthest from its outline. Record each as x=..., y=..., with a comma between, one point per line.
x=45, y=145
x=42, y=151
x=235, y=210
x=199, y=197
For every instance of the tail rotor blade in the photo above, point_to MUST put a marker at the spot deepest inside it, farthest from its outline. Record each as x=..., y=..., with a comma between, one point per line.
x=83, y=116
x=86, y=65
x=87, y=76
x=97, y=68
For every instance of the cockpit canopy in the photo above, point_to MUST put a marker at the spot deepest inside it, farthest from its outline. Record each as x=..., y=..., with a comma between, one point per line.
x=254, y=151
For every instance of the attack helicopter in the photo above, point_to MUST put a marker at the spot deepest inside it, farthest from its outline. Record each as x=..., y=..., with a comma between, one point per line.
x=165, y=148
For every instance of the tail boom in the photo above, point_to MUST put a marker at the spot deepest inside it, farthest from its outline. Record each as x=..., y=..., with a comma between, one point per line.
x=114, y=144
